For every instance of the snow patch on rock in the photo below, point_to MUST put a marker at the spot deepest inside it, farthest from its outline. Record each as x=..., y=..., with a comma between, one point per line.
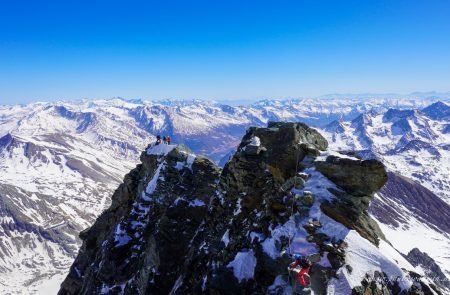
x=226, y=238
x=243, y=265
x=286, y=230
x=255, y=141
x=196, y=203
x=152, y=184
x=161, y=149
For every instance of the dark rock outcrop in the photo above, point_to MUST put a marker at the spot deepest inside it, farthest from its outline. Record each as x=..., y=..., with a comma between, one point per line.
x=432, y=270
x=380, y=284
x=172, y=239
x=177, y=225
x=141, y=231
x=285, y=144
x=359, y=179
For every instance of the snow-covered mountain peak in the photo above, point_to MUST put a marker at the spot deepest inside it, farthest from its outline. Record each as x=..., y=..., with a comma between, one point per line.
x=438, y=111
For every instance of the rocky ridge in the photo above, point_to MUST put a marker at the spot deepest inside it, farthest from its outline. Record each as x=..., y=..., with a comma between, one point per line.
x=179, y=225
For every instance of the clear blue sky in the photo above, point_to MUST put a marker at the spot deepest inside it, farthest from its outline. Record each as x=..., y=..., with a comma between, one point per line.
x=221, y=49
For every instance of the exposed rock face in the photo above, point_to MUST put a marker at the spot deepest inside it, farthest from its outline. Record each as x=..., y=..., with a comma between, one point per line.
x=381, y=284
x=251, y=202
x=360, y=179
x=378, y=284
x=141, y=232
x=282, y=149
x=180, y=226
x=418, y=258
x=357, y=177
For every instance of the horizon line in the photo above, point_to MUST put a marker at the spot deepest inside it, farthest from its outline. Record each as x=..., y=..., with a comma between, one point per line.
x=338, y=95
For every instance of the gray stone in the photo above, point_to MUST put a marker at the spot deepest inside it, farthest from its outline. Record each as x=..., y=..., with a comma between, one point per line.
x=359, y=178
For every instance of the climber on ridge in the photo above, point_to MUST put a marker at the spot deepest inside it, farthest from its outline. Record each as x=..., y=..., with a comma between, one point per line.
x=164, y=140
x=299, y=273
x=158, y=139
x=303, y=274
x=168, y=139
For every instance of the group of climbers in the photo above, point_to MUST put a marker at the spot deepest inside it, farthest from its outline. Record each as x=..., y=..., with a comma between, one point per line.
x=165, y=140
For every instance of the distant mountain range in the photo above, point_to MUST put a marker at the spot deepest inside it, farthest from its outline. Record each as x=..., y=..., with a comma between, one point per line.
x=60, y=163
x=412, y=142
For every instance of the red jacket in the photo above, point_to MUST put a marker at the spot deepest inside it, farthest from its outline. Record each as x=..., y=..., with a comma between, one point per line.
x=302, y=275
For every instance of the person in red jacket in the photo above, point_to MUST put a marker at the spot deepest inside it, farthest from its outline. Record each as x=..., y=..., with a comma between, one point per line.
x=303, y=274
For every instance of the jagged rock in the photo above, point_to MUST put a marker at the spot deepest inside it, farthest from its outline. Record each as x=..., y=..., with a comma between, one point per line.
x=351, y=154
x=127, y=242
x=336, y=259
x=358, y=290
x=319, y=278
x=178, y=154
x=305, y=134
x=304, y=176
x=320, y=238
x=312, y=226
x=310, y=149
x=418, y=258
x=282, y=149
x=309, y=228
x=381, y=284
x=316, y=223
x=307, y=200
x=293, y=182
x=253, y=150
x=341, y=244
x=308, y=162
x=359, y=221
x=179, y=225
x=184, y=218
x=359, y=178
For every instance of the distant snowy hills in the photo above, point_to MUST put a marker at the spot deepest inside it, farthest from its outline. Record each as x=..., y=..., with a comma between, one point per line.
x=412, y=142
x=58, y=169
x=413, y=208
x=60, y=162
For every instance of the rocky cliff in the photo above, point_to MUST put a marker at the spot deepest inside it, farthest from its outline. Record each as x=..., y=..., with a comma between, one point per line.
x=180, y=225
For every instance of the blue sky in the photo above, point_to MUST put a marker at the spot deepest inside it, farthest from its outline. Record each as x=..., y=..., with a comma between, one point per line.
x=221, y=49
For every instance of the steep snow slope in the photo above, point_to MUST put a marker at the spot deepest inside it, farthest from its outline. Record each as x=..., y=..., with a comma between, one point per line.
x=411, y=217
